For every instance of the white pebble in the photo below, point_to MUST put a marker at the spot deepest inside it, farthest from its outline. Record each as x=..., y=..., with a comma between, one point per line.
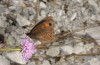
x=61, y=62
x=67, y=49
x=92, y=2
x=43, y=13
x=93, y=32
x=43, y=5
x=4, y=61
x=22, y=21
x=94, y=61
x=79, y=49
x=73, y=17
x=10, y=40
x=53, y=51
x=16, y=56
x=3, y=24
x=46, y=62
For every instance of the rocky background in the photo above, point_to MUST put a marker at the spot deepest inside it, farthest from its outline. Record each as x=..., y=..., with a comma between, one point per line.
x=81, y=17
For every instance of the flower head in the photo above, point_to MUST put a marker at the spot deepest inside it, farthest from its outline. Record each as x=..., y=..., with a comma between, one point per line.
x=28, y=48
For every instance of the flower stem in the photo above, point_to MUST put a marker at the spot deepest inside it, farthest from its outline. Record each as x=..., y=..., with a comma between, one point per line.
x=10, y=49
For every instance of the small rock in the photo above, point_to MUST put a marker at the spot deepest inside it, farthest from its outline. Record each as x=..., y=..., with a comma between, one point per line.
x=10, y=41
x=34, y=1
x=43, y=5
x=60, y=12
x=93, y=32
x=52, y=61
x=26, y=12
x=80, y=1
x=2, y=31
x=18, y=3
x=73, y=17
x=4, y=61
x=53, y=51
x=15, y=2
x=43, y=13
x=17, y=38
x=46, y=62
x=22, y=21
x=56, y=28
x=10, y=29
x=45, y=0
x=88, y=47
x=94, y=61
x=67, y=49
x=16, y=56
x=79, y=49
x=2, y=9
x=3, y=24
x=93, y=2
x=61, y=62
x=20, y=31
x=86, y=63
x=31, y=17
x=69, y=41
x=31, y=63
x=37, y=42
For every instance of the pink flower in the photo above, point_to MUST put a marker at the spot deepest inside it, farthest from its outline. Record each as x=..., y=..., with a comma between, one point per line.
x=28, y=48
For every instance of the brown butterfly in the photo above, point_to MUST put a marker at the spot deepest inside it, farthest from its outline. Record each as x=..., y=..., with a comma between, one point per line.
x=44, y=30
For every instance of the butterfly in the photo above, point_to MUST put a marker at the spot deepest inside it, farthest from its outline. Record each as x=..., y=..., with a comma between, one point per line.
x=44, y=30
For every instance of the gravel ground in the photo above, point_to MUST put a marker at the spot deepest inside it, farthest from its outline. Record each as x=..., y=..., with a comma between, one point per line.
x=81, y=17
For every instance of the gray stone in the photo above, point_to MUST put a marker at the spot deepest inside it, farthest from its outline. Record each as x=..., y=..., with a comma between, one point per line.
x=53, y=51
x=10, y=29
x=2, y=9
x=94, y=61
x=43, y=5
x=86, y=63
x=31, y=17
x=93, y=2
x=46, y=62
x=79, y=48
x=43, y=13
x=34, y=1
x=17, y=38
x=88, y=47
x=93, y=32
x=10, y=40
x=20, y=31
x=22, y=21
x=4, y=61
x=17, y=5
x=26, y=12
x=31, y=63
x=16, y=56
x=3, y=24
x=61, y=62
x=2, y=30
x=73, y=16
x=67, y=49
